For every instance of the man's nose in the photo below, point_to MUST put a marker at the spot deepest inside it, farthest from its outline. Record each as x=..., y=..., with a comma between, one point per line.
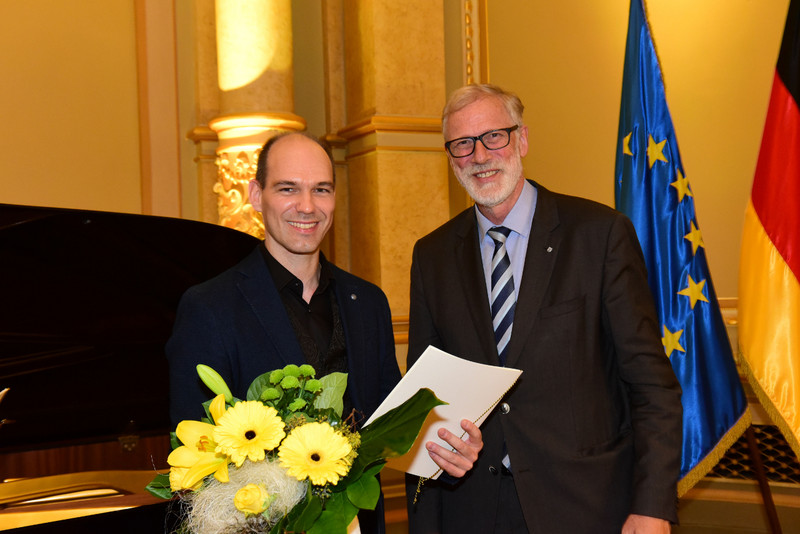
x=481, y=153
x=305, y=202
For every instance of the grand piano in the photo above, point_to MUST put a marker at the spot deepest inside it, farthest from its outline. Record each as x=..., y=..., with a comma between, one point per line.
x=88, y=301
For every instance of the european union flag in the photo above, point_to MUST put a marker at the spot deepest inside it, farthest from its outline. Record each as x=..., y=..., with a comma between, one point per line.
x=652, y=188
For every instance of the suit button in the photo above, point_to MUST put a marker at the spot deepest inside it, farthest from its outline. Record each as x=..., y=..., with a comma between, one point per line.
x=492, y=469
x=505, y=408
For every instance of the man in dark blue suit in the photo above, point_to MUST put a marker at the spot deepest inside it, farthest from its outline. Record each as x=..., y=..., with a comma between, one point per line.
x=285, y=303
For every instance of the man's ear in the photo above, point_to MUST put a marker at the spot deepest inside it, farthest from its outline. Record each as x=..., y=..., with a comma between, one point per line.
x=523, y=141
x=254, y=192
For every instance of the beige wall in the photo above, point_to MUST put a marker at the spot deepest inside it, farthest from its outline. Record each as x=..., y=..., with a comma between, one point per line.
x=718, y=57
x=69, y=104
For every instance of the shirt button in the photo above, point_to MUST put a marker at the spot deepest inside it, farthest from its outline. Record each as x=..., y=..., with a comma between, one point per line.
x=505, y=408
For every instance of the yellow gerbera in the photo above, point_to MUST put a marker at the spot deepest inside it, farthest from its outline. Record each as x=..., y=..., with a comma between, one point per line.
x=317, y=452
x=196, y=459
x=247, y=430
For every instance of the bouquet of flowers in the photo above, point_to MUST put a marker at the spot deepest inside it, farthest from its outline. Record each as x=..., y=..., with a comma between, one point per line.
x=284, y=459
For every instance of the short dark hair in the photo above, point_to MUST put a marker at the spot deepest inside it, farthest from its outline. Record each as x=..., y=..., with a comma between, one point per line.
x=261, y=165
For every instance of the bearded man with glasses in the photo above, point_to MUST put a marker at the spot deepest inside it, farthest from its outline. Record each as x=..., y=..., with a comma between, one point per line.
x=589, y=439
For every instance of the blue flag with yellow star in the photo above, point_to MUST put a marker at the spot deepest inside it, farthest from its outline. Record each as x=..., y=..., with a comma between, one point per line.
x=652, y=188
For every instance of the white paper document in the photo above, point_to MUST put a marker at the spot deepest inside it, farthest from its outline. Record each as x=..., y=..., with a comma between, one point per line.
x=471, y=390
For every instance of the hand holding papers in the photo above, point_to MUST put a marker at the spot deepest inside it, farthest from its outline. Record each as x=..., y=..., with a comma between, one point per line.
x=471, y=390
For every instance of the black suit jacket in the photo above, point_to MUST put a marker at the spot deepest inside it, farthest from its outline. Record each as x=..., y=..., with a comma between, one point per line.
x=237, y=324
x=594, y=425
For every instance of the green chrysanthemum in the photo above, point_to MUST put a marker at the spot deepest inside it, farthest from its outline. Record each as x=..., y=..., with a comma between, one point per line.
x=247, y=430
x=317, y=452
x=297, y=404
x=291, y=370
x=290, y=382
x=307, y=371
x=313, y=385
x=276, y=376
x=270, y=394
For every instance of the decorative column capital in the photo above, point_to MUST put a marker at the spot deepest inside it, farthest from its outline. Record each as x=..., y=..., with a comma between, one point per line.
x=248, y=129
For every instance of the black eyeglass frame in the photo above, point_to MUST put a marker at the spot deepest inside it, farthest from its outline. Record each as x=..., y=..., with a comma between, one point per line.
x=480, y=137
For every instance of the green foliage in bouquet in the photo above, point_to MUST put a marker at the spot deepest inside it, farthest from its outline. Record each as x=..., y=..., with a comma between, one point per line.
x=283, y=459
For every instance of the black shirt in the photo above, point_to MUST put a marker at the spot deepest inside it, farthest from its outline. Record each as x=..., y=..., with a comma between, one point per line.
x=317, y=324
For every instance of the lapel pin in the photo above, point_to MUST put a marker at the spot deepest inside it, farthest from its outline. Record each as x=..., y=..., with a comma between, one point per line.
x=353, y=296
x=549, y=249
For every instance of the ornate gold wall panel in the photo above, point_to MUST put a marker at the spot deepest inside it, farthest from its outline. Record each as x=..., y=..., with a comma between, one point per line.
x=236, y=169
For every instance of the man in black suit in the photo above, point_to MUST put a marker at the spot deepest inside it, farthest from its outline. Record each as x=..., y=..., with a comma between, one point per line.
x=589, y=439
x=285, y=303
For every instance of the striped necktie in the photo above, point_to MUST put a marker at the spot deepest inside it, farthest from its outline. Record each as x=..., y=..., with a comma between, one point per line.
x=502, y=297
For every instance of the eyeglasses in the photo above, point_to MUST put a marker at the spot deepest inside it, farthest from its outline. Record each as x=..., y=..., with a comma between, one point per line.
x=492, y=140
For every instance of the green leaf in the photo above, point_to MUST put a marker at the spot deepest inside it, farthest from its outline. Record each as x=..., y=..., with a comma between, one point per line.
x=393, y=433
x=333, y=387
x=258, y=386
x=280, y=526
x=159, y=486
x=364, y=492
x=368, y=468
x=305, y=514
x=335, y=518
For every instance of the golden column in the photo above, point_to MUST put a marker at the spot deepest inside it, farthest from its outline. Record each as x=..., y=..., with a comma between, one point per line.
x=256, y=98
x=397, y=169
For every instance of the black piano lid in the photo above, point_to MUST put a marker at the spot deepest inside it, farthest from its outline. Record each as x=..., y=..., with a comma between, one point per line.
x=87, y=302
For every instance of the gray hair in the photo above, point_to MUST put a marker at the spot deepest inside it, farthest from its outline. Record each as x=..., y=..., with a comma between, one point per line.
x=466, y=95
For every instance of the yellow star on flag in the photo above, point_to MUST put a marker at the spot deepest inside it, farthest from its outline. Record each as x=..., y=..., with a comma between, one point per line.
x=696, y=238
x=626, y=144
x=682, y=186
x=671, y=341
x=655, y=151
x=694, y=292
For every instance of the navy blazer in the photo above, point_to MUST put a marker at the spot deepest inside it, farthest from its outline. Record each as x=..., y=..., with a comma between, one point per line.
x=593, y=426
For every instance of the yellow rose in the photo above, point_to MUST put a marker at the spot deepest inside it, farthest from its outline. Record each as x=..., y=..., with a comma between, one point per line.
x=252, y=499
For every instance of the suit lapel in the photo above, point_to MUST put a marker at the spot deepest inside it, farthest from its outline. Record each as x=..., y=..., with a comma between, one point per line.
x=473, y=285
x=543, y=247
x=259, y=291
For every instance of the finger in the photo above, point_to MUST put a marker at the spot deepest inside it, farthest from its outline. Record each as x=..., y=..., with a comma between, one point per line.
x=475, y=436
x=452, y=457
x=451, y=463
x=457, y=444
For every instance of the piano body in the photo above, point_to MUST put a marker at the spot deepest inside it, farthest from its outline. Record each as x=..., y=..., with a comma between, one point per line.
x=88, y=301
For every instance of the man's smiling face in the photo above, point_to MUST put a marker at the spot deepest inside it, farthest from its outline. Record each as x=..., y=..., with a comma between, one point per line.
x=491, y=177
x=298, y=198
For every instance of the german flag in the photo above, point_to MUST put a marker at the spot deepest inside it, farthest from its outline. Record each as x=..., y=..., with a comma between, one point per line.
x=769, y=268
